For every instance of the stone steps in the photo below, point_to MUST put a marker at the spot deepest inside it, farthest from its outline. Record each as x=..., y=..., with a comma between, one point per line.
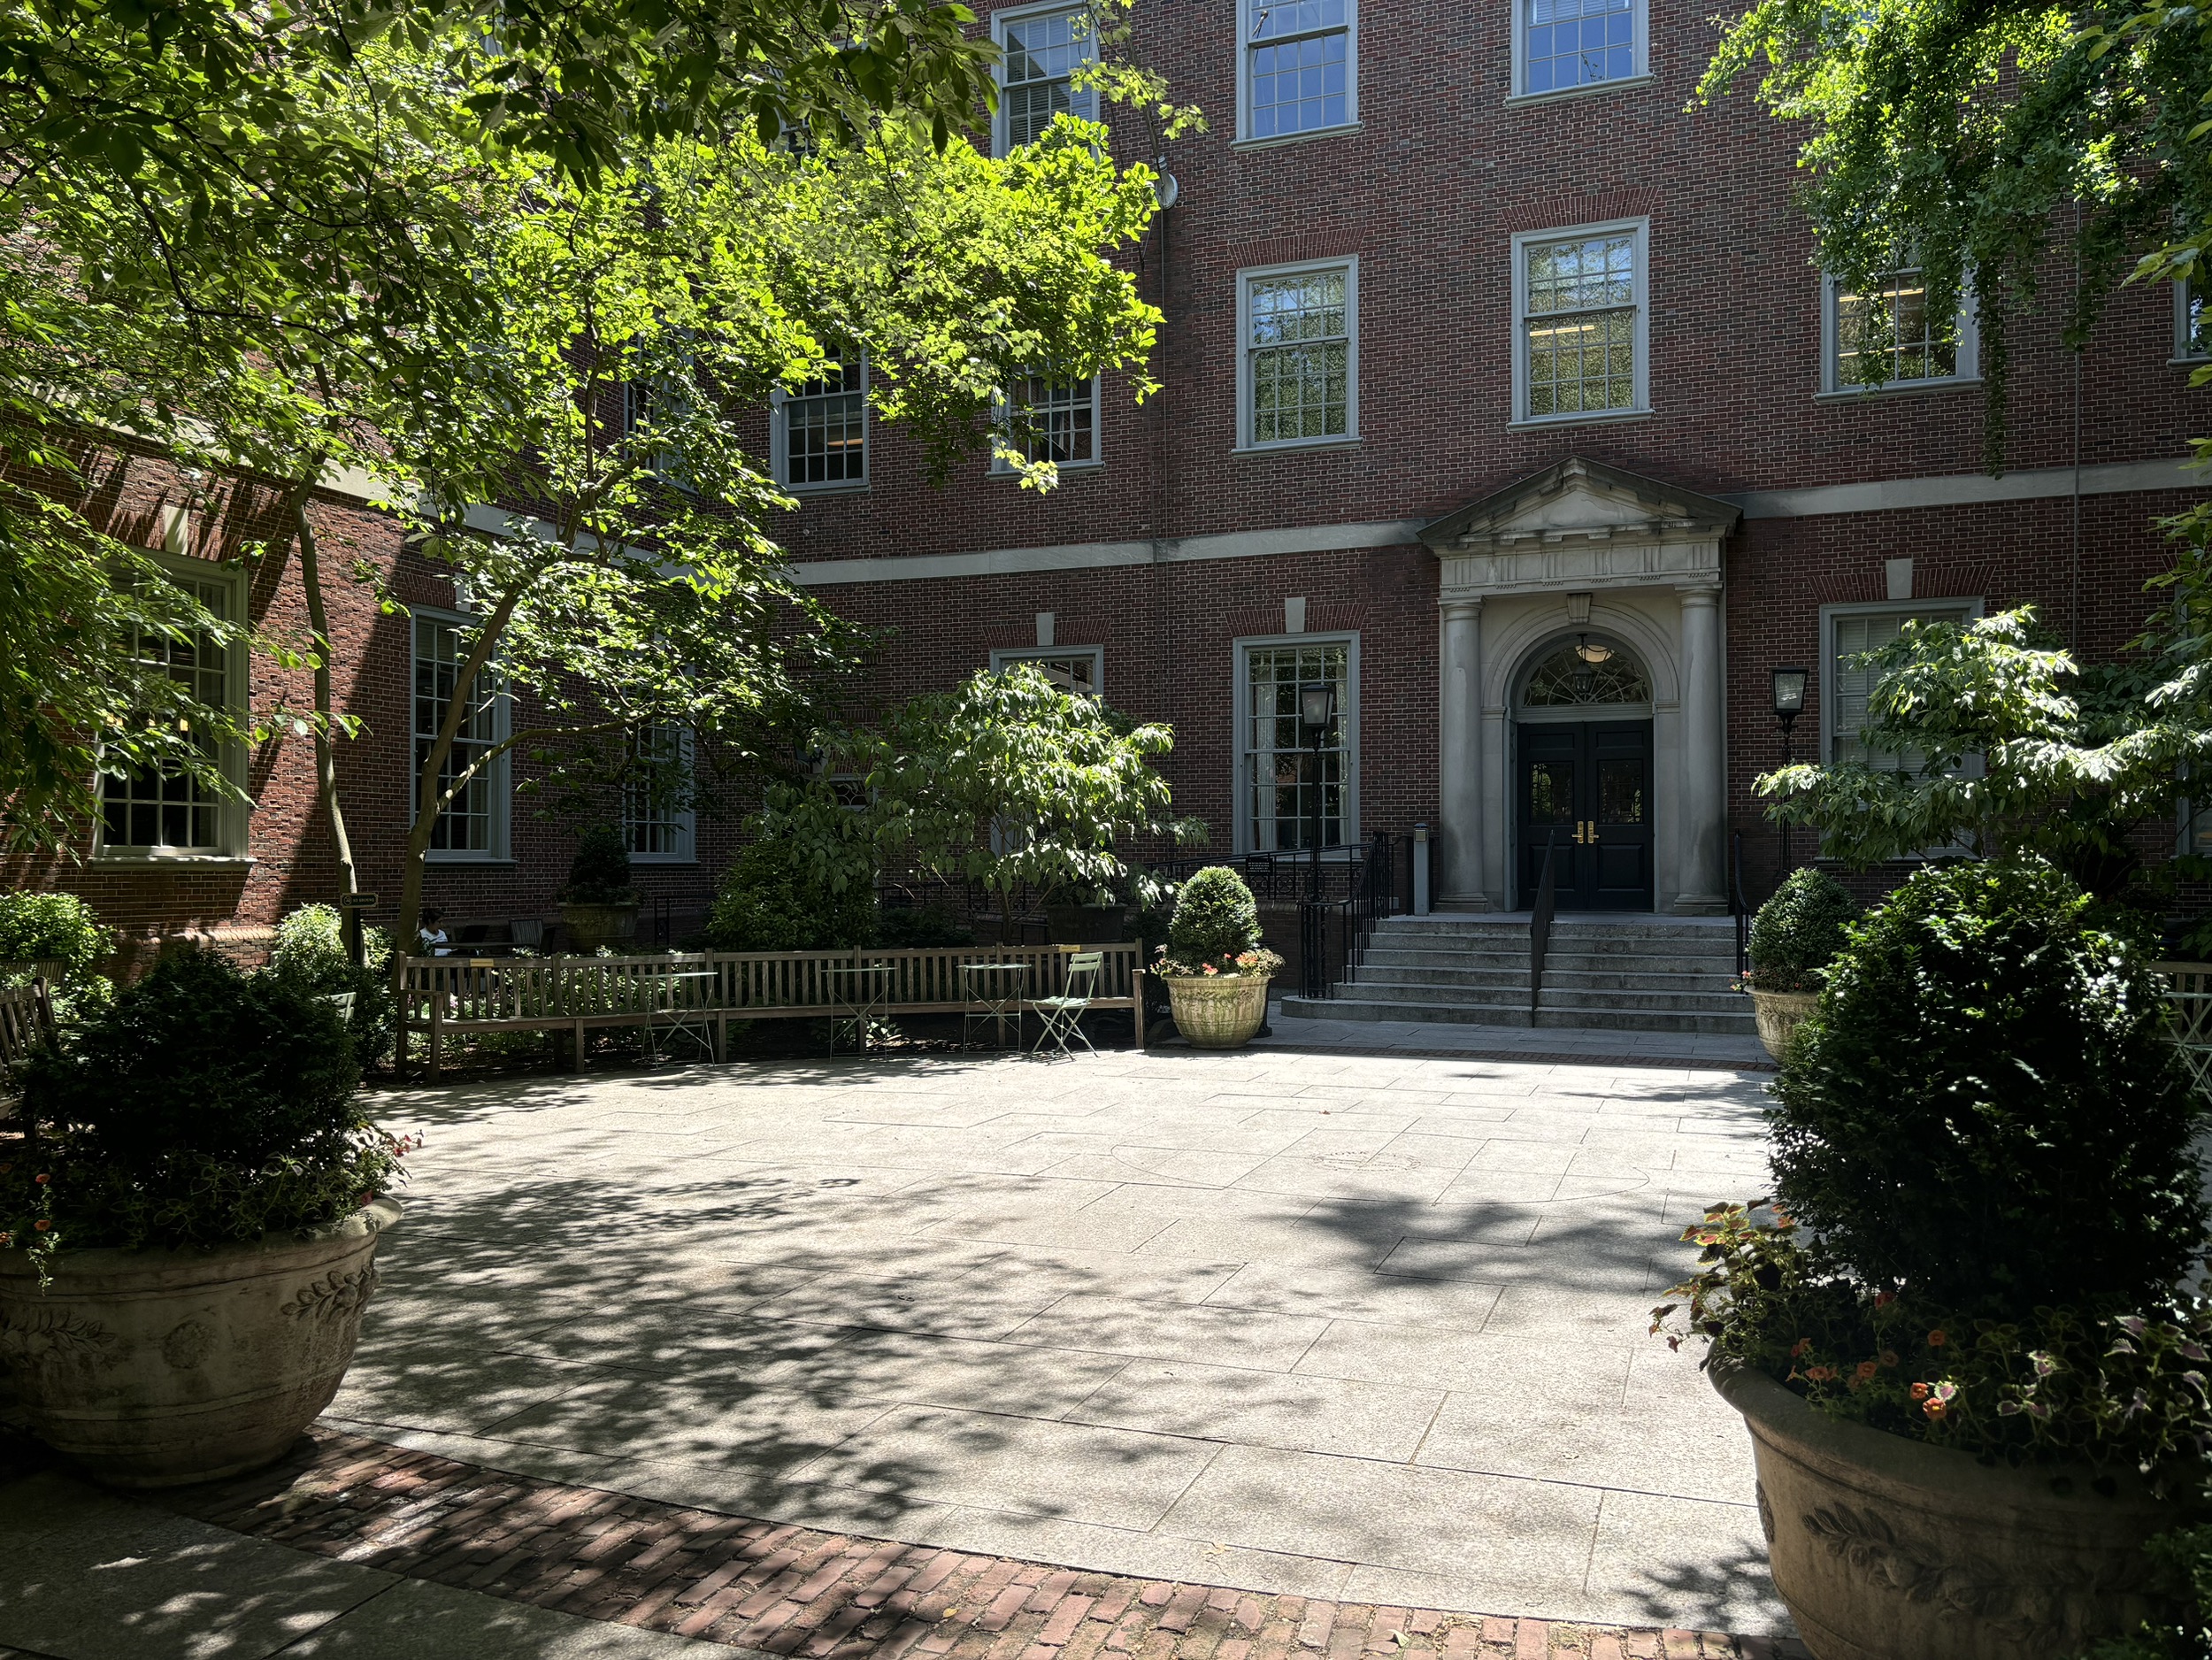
x=1616, y=974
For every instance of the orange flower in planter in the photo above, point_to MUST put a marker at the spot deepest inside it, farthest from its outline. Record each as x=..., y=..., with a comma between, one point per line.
x=1938, y=1338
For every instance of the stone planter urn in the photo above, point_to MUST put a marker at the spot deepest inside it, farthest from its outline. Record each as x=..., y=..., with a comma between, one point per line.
x=1218, y=1011
x=1780, y=1014
x=153, y=1369
x=587, y=927
x=1886, y=1549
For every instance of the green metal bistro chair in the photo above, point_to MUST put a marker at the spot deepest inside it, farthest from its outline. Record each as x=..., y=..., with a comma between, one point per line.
x=2189, y=998
x=1062, y=1017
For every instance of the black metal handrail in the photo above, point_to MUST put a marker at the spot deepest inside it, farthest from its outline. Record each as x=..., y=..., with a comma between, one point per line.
x=1372, y=897
x=1739, y=906
x=1540, y=927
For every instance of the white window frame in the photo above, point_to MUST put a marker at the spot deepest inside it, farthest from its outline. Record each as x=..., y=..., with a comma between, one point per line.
x=683, y=820
x=1831, y=384
x=1640, y=229
x=1639, y=60
x=1241, y=784
x=1952, y=610
x=999, y=467
x=233, y=817
x=1082, y=101
x=1002, y=656
x=1349, y=266
x=2182, y=353
x=1245, y=45
x=499, y=776
x=780, y=440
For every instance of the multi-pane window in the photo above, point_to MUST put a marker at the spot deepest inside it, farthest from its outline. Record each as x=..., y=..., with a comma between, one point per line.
x=474, y=821
x=1890, y=337
x=1852, y=683
x=1567, y=44
x=1075, y=670
x=822, y=427
x=1301, y=356
x=655, y=817
x=157, y=808
x=1289, y=783
x=1582, y=321
x=1043, y=51
x=1298, y=65
x=2192, y=322
x=1049, y=419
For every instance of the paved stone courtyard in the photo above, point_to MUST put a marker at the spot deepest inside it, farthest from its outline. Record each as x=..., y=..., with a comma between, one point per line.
x=1325, y=1325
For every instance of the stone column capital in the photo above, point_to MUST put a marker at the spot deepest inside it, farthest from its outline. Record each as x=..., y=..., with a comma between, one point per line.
x=1700, y=594
x=1460, y=608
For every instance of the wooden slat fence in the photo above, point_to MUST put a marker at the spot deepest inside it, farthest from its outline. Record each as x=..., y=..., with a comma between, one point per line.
x=457, y=995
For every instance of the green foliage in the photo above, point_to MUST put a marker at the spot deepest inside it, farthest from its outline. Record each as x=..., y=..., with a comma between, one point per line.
x=1975, y=142
x=921, y=926
x=2111, y=1387
x=807, y=882
x=1217, y=922
x=2183, y=1559
x=2070, y=763
x=600, y=872
x=1797, y=932
x=52, y=927
x=206, y=1105
x=1009, y=781
x=1985, y=1107
x=310, y=954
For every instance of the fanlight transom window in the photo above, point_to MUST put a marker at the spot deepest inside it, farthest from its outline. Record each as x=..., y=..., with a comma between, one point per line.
x=1587, y=670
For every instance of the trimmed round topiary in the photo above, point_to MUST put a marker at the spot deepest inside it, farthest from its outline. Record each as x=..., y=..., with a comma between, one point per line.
x=1798, y=933
x=600, y=872
x=1986, y=1108
x=1216, y=918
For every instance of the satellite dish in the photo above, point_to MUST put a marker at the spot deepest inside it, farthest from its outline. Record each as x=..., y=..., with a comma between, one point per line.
x=1165, y=188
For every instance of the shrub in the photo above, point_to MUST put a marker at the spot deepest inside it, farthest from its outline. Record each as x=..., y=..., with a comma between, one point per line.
x=1986, y=1197
x=41, y=927
x=777, y=896
x=1985, y=1106
x=310, y=954
x=1216, y=927
x=600, y=872
x=1797, y=932
x=921, y=927
x=206, y=1105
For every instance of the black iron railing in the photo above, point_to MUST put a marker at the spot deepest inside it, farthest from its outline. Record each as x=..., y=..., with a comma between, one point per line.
x=1738, y=907
x=1332, y=933
x=1540, y=927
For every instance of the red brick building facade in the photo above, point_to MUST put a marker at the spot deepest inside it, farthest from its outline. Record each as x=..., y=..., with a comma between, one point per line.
x=1482, y=356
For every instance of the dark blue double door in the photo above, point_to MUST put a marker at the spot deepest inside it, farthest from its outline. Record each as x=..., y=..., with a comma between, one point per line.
x=1583, y=789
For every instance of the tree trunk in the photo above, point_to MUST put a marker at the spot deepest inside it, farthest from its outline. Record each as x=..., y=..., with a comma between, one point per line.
x=325, y=757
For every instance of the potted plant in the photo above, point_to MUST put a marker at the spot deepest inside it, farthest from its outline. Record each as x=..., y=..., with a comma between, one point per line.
x=1214, y=965
x=58, y=938
x=188, y=1225
x=310, y=953
x=1793, y=938
x=1963, y=1334
x=598, y=905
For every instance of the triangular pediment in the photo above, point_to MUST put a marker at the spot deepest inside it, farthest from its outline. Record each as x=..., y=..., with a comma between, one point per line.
x=1579, y=500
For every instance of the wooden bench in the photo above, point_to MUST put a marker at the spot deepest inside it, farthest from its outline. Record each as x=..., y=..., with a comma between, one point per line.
x=27, y=1025
x=459, y=995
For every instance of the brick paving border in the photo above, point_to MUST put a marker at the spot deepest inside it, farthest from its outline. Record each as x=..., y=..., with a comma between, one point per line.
x=801, y=1591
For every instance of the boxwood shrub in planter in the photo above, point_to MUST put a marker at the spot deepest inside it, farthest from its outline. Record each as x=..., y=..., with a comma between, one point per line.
x=1793, y=938
x=598, y=904
x=1963, y=1330
x=1213, y=963
x=188, y=1225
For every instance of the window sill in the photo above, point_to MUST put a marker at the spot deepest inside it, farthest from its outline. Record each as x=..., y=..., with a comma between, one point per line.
x=1008, y=475
x=1294, y=446
x=1342, y=129
x=436, y=856
x=664, y=861
x=1898, y=388
x=134, y=859
x=2187, y=363
x=806, y=491
x=1580, y=418
x=1516, y=100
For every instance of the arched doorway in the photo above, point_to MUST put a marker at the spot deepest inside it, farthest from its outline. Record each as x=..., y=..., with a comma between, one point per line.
x=1582, y=781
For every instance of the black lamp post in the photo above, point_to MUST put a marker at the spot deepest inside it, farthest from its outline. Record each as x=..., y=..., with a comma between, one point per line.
x=1789, y=704
x=1317, y=713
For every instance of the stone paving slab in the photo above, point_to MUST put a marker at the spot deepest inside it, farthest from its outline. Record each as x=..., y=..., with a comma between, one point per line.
x=1296, y=1322
x=453, y=1538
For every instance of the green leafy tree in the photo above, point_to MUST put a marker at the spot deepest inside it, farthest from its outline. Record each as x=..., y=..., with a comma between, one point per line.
x=1985, y=144
x=1010, y=782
